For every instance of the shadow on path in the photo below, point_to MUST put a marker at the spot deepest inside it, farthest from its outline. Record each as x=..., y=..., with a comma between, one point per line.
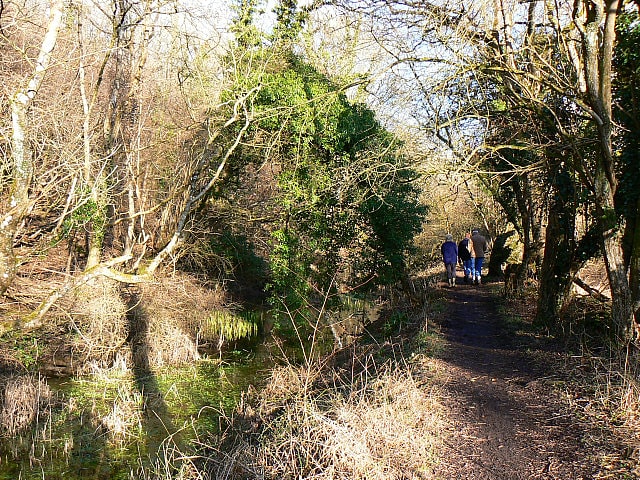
x=507, y=422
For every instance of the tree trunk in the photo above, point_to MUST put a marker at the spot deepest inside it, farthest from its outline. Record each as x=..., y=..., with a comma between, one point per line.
x=596, y=22
x=530, y=231
x=634, y=268
x=621, y=307
x=21, y=155
x=555, y=275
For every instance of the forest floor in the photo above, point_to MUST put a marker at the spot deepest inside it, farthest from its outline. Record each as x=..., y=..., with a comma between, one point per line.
x=514, y=407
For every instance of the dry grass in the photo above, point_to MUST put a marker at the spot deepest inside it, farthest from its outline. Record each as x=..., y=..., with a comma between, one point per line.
x=182, y=300
x=39, y=275
x=594, y=274
x=382, y=426
x=164, y=344
x=605, y=394
x=158, y=319
x=169, y=314
x=99, y=320
x=603, y=380
x=123, y=422
x=91, y=326
x=22, y=400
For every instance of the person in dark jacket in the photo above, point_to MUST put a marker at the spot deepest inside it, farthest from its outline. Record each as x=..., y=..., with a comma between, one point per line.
x=480, y=247
x=466, y=257
x=449, y=251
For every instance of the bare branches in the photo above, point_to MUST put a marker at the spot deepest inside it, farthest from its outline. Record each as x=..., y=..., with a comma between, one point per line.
x=22, y=161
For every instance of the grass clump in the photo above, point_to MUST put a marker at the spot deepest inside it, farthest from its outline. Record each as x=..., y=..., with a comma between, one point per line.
x=312, y=422
x=23, y=399
x=99, y=321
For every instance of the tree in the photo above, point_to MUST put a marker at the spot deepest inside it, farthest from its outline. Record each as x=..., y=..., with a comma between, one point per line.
x=127, y=208
x=345, y=209
x=551, y=59
x=625, y=87
x=17, y=201
x=596, y=21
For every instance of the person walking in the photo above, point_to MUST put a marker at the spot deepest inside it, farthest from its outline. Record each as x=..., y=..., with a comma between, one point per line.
x=480, y=248
x=449, y=251
x=466, y=256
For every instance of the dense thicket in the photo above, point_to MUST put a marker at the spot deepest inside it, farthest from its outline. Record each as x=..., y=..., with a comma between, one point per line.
x=285, y=150
x=238, y=160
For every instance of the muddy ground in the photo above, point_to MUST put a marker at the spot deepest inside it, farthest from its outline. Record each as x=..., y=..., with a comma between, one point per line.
x=511, y=404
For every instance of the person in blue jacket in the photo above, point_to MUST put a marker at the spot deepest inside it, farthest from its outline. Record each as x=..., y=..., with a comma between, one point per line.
x=449, y=251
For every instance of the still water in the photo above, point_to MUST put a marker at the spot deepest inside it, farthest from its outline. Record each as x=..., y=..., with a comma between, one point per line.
x=115, y=426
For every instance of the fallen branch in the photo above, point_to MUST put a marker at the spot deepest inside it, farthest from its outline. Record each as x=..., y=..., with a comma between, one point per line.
x=590, y=290
x=34, y=319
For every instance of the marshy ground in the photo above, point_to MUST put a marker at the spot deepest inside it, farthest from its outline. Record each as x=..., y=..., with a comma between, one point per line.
x=451, y=384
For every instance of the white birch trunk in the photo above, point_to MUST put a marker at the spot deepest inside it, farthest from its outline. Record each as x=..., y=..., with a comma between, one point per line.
x=21, y=155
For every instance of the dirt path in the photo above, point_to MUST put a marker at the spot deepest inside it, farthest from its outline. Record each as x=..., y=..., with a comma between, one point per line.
x=507, y=419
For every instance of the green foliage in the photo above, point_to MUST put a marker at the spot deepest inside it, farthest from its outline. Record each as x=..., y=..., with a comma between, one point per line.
x=343, y=201
x=395, y=219
x=395, y=323
x=25, y=347
x=288, y=271
x=353, y=304
x=345, y=211
x=288, y=20
x=241, y=260
x=498, y=105
x=87, y=212
x=243, y=27
x=227, y=326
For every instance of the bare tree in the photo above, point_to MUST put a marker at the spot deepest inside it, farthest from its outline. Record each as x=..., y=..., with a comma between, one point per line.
x=120, y=170
x=152, y=150
x=596, y=21
x=18, y=201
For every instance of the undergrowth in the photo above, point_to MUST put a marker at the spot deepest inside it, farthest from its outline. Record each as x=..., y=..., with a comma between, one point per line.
x=312, y=422
x=602, y=376
x=358, y=412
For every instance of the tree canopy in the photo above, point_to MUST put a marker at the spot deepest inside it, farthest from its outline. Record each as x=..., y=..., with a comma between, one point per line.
x=144, y=135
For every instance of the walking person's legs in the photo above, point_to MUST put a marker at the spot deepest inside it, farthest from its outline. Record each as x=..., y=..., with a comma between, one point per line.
x=451, y=273
x=472, y=269
x=468, y=273
x=478, y=266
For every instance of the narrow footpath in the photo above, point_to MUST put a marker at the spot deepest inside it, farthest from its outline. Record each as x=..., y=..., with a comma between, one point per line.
x=503, y=392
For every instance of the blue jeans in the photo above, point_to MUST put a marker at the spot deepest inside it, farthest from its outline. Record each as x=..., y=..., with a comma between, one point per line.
x=478, y=267
x=469, y=267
